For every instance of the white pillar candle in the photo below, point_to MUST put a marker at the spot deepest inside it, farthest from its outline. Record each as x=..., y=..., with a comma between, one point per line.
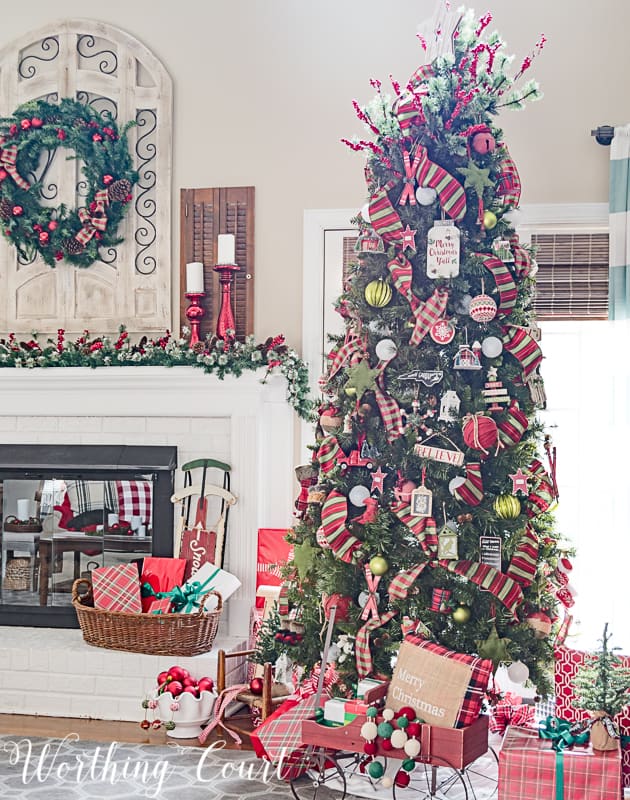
x=194, y=278
x=225, y=248
x=23, y=510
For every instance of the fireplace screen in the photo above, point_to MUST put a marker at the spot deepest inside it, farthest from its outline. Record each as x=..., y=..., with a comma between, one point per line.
x=58, y=526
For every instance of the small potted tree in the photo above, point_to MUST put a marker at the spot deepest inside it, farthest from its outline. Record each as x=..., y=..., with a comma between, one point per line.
x=601, y=686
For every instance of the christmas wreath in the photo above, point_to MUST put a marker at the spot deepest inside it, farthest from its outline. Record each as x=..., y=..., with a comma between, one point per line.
x=28, y=142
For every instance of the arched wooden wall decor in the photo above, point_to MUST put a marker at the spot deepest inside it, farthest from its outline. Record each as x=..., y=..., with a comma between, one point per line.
x=107, y=68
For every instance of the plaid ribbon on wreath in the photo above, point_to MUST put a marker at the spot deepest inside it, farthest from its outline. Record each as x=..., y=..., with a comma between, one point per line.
x=8, y=157
x=505, y=283
x=95, y=220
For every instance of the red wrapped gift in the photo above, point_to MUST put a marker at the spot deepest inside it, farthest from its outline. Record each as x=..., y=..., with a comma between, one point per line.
x=527, y=770
x=161, y=575
x=566, y=665
x=117, y=588
x=510, y=710
x=272, y=554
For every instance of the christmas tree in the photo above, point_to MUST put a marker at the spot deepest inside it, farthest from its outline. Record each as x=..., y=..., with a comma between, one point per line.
x=430, y=509
x=602, y=684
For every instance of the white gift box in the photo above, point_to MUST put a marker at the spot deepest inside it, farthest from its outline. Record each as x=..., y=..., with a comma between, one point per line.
x=211, y=579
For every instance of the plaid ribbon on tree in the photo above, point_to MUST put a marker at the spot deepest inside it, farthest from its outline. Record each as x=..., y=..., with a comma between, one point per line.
x=449, y=190
x=328, y=452
x=362, y=643
x=407, y=107
x=8, y=157
x=383, y=216
x=512, y=428
x=423, y=528
x=387, y=405
x=523, y=347
x=509, y=187
x=93, y=220
x=426, y=313
x=349, y=353
x=522, y=259
x=542, y=494
x=524, y=561
x=504, y=282
x=471, y=491
x=334, y=515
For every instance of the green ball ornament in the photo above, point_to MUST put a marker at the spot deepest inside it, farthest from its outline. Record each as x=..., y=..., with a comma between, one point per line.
x=402, y=722
x=378, y=565
x=385, y=729
x=408, y=764
x=507, y=506
x=170, y=725
x=461, y=615
x=378, y=293
x=371, y=712
x=375, y=770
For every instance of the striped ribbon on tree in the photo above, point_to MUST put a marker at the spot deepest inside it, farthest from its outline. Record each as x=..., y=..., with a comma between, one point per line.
x=523, y=563
x=334, y=516
x=506, y=285
x=523, y=347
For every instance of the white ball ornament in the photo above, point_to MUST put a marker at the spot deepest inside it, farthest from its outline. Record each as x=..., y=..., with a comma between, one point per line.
x=412, y=748
x=388, y=713
x=387, y=782
x=358, y=495
x=425, y=195
x=369, y=731
x=398, y=738
x=492, y=346
x=518, y=672
x=386, y=349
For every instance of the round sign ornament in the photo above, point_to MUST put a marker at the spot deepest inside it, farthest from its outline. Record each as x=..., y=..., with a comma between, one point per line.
x=29, y=141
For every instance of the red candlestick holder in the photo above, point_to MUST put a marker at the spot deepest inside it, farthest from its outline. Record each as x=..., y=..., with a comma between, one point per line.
x=225, y=320
x=194, y=314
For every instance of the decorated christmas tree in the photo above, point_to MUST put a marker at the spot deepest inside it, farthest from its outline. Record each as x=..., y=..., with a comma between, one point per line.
x=429, y=509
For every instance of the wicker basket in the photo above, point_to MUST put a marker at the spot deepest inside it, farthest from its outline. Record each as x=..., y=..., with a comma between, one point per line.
x=18, y=574
x=14, y=525
x=155, y=634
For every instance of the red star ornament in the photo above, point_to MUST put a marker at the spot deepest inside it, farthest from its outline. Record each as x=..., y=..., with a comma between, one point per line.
x=519, y=482
x=378, y=476
x=409, y=239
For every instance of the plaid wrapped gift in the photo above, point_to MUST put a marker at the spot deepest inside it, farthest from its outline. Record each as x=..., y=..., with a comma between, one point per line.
x=527, y=770
x=510, y=710
x=566, y=664
x=117, y=588
x=279, y=738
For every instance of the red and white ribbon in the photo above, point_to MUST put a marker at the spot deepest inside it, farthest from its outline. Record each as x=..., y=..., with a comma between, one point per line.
x=371, y=607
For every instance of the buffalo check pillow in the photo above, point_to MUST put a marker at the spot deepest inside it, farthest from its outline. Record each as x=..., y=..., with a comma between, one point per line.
x=135, y=499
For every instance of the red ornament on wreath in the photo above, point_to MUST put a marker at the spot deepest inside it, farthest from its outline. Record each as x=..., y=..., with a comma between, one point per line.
x=480, y=433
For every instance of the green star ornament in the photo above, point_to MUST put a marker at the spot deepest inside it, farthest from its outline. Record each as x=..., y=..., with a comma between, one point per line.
x=494, y=648
x=361, y=378
x=476, y=178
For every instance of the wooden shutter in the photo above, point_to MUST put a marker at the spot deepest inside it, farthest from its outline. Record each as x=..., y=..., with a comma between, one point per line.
x=572, y=279
x=205, y=213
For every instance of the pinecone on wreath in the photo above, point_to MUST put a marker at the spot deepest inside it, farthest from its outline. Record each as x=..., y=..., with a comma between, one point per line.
x=6, y=208
x=119, y=190
x=73, y=247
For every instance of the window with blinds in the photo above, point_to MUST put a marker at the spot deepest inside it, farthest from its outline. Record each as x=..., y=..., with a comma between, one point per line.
x=572, y=279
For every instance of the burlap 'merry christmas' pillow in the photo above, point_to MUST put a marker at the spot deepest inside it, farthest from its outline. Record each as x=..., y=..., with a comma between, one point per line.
x=444, y=687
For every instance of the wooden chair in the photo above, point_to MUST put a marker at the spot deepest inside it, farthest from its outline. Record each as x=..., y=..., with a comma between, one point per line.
x=273, y=694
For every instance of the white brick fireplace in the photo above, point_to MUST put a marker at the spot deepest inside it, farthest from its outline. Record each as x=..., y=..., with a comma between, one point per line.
x=241, y=421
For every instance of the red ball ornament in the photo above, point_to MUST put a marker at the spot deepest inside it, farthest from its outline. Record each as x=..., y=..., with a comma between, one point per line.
x=53, y=225
x=256, y=686
x=370, y=748
x=3, y=175
x=480, y=432
x=402, y=779
x=25, y=124
x=178, y=673
x=175, y=688
x=17, y=211
x=44, y=237
x=386, y=744
x=145, y=724
x=483, y=142
x=36, y=122
x=343, y=603
x=107, y=179
x=407, y=711
x=413, y=729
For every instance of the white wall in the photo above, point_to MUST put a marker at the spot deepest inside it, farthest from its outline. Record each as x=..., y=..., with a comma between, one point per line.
x=263, y=94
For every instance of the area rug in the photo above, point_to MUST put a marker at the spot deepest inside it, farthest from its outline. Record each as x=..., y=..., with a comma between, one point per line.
x=74, y=769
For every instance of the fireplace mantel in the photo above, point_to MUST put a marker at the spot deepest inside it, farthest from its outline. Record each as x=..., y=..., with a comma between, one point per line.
x=242, y=421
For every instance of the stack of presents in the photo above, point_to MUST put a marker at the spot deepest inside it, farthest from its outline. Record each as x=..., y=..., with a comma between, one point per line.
x=442, y=699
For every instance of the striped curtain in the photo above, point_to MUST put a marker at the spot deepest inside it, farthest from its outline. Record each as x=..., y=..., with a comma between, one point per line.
x=619, y=255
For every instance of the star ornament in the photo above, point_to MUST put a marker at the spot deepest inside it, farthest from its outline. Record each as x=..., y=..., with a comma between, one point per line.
x=378, y=476
x=361, y=378
x=494, y=648
x=409, y=239
x=519, y=482
x=476, y=178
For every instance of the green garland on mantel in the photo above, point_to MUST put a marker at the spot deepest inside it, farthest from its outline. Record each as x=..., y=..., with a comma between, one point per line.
x=216, y=356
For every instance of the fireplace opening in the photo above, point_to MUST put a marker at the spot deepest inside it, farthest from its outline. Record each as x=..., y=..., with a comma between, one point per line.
x=68, y=509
